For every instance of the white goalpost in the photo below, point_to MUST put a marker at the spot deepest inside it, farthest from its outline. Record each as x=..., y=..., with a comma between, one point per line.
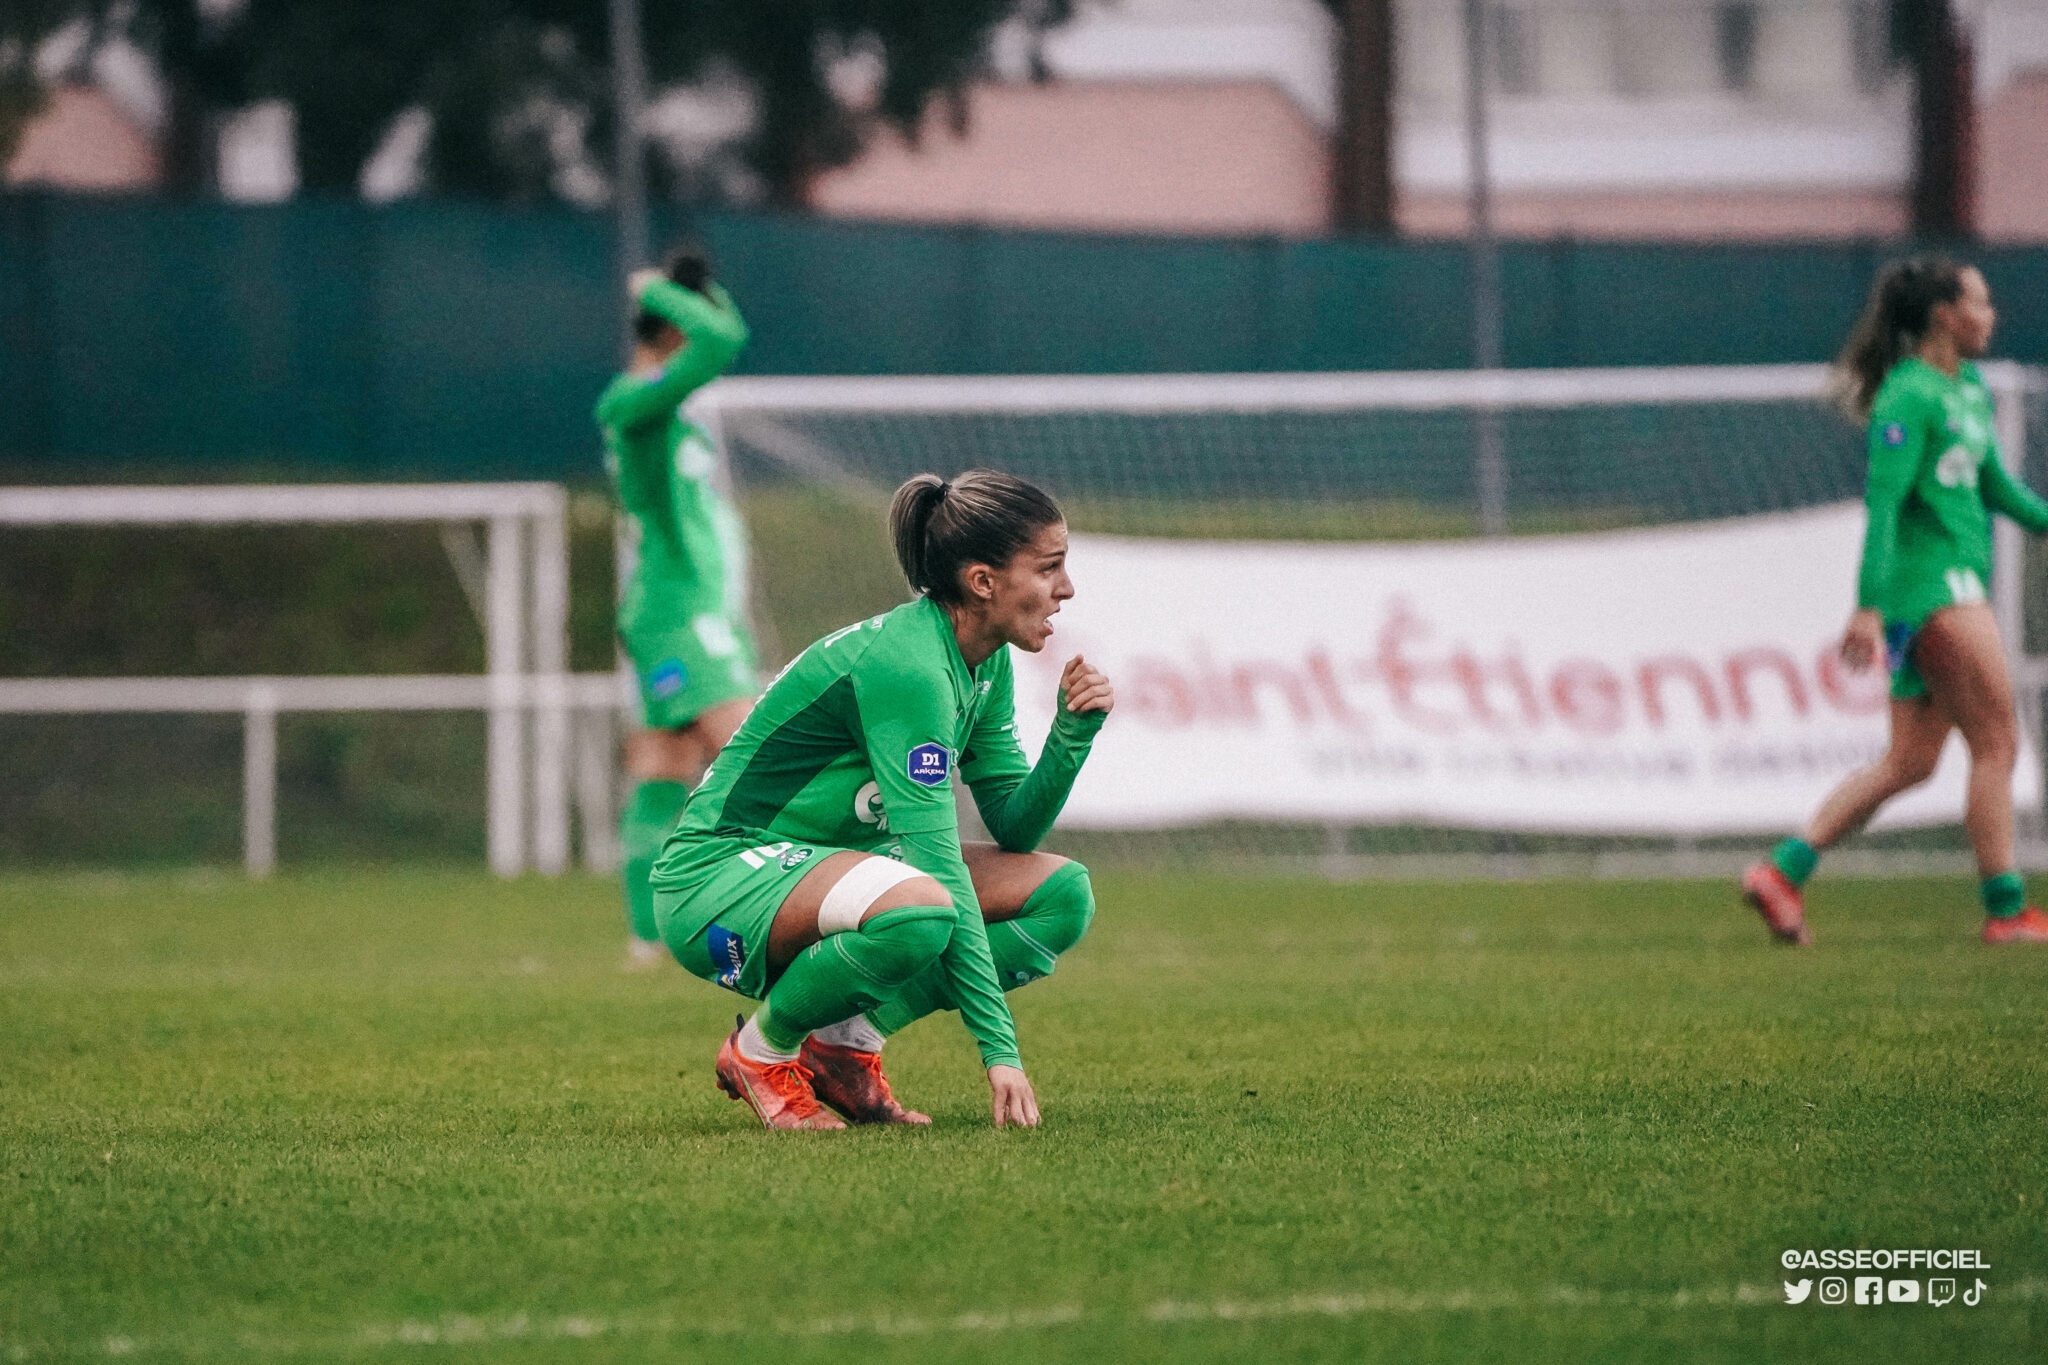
x=518, y=583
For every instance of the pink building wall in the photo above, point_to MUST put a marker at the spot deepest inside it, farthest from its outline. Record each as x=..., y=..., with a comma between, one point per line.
x=2013, y=189
x=82, y=141
x=1231, y=157
x=1239, y=157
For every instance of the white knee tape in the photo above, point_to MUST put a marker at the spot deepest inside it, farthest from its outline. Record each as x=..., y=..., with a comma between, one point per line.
x=851, y=896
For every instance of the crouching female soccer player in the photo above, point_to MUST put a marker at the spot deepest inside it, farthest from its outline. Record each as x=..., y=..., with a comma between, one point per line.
x=819, y=867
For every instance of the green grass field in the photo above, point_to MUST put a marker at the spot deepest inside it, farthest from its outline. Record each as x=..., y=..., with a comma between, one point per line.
x=377, y=1115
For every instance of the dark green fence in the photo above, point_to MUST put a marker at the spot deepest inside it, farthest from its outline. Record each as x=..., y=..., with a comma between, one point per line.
x=435, y=338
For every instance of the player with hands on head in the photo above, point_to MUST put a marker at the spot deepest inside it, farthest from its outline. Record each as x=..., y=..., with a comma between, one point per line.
x=819, y=867
x=682, y=616
x=1921, y=599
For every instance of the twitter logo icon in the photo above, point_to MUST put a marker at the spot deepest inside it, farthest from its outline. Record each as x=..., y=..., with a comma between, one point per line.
x=1796, y=1293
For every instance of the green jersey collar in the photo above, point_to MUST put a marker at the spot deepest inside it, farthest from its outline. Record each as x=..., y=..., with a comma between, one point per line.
x=956, y=664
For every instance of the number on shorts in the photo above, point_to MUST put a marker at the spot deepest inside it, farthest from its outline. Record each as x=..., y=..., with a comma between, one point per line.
x=764, y=855
x=1964, y=586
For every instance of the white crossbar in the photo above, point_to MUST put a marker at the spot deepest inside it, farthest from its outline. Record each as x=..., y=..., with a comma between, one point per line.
x=303, y=503
x=1412, y=390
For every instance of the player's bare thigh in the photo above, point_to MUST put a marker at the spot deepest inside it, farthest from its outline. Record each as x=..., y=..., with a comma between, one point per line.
x=1004, y=881
x=1919, y=727
x=796, y=924
x=1960, y=654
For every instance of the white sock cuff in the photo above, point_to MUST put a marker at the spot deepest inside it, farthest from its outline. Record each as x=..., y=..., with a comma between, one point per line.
x=856, y=1033
x=756, y=1048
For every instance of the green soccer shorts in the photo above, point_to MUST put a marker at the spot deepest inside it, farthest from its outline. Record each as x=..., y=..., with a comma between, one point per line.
x=715, y=909
x=687, y=668
x=1903, y=624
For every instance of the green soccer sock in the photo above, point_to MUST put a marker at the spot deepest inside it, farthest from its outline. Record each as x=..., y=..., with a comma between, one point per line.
x=643, y=826
x=847, y=973
x=1796, y=859
x=2004, y=895
x=1026, y=948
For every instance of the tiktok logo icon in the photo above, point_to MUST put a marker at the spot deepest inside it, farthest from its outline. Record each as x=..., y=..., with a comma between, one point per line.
x=1975, y=1295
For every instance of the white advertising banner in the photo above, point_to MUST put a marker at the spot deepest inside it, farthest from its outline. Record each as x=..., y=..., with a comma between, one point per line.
x=1679, y=680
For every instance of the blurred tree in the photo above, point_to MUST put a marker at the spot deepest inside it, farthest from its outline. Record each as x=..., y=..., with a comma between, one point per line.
x=1931, y=38
x=518, y=89
x=21, y=99
x=1362, y=173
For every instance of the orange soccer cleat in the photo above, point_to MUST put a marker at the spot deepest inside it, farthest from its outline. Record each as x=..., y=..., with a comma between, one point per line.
x=2028, y=926
x=1778, y=901
x=852, y=1082
x=779, y=1092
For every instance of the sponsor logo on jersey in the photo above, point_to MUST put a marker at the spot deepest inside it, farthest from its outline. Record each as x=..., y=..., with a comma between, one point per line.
x=728, y=954
x=695, y=459
x=715, y=633
x=929, y=764
x=1957, y=468
x=796, y=857
x=1894, y=433
x=867, y=807
x=667, y=678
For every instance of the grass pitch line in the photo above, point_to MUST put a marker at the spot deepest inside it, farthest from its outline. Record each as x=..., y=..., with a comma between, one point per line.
x=460, y=1330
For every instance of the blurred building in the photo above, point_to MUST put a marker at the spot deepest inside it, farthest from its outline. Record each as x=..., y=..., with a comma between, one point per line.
x=84, y=139
x=1700, y=119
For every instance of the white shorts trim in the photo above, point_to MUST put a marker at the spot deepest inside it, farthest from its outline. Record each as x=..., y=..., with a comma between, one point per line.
x=860, y=888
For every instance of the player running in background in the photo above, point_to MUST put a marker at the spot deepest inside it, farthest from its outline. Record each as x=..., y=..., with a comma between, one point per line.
x=819, y=867
x=1935, y=478
x=682, y=617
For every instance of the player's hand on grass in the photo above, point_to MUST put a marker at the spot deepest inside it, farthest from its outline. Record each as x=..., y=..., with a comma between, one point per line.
x=1010, y=1097
x=637, y=282
x=1083, y=688
x=1863, y=641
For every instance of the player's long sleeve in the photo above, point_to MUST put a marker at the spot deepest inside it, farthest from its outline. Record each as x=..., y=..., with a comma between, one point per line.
x=713, y=334
x=1895, y=452
x=906, y=709
x=1019, y=810
x=969, y=966
x=2003, y=493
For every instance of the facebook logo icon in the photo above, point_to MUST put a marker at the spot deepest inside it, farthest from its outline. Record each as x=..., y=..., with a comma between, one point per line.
x=1869, y=1289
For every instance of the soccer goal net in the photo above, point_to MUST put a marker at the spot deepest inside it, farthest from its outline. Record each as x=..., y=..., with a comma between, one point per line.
x=1436, y=623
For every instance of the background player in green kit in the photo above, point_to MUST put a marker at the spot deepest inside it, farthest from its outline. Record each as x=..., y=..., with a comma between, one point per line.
x=1935, y=478
x=819, y=867
x=682, y=617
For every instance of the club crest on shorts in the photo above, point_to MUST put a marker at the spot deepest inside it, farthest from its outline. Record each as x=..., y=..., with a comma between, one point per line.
x=796, y=857
x=667, y=678
x=728, y=954
x=929, y=764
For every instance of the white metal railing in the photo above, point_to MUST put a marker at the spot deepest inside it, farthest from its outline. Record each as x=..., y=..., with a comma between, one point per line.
x=521, y=595
x=594, y=699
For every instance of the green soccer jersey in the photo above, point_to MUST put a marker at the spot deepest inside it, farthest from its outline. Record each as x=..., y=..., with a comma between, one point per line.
x=691, y=547
x=856, y=745
x=1935, y=478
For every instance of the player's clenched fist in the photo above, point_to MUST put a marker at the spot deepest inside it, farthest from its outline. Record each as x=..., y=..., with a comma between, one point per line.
x=1083, y=688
